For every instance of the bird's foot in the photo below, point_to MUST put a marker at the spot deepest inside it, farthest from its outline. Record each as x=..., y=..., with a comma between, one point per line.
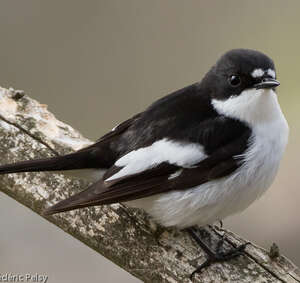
x=220, y=257
x=215, y=257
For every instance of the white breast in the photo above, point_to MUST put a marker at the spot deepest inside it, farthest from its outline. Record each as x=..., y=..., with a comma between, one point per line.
x=215, y=200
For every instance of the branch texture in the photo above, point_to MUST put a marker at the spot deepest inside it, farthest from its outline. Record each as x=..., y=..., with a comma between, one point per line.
x=125, y=236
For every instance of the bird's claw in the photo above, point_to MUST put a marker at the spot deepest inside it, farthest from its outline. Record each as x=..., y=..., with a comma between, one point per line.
x=220, y=257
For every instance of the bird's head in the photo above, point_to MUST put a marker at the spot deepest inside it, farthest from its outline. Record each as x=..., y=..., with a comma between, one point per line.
x=242, y=84
x=239, y=70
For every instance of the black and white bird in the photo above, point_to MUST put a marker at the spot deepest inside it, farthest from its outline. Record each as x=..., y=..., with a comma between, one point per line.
x=193, y=157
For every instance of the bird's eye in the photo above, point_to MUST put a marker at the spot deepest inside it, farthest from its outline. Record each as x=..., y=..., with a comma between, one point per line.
x=234, y=80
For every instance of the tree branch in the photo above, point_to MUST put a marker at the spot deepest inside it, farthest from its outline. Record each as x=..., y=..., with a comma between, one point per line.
x=125, y=236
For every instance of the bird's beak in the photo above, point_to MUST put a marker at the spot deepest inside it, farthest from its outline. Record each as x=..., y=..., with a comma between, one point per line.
x=267, y=83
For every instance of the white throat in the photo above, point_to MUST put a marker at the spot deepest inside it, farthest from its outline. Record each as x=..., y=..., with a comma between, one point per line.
x=251, y=106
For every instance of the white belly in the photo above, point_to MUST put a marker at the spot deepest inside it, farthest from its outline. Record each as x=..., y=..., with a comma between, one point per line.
x=218, y=199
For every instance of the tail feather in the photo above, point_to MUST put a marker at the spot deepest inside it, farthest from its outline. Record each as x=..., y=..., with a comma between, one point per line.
x=86, y=198
x=76, y=160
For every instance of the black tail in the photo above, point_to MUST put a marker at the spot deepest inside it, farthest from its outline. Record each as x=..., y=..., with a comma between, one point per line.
x=89, y=197
x=77, y=160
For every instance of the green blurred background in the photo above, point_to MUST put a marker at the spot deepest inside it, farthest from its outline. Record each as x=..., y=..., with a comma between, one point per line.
x=96, y=63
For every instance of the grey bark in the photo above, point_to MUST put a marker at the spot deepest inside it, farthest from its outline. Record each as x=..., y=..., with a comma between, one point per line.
x=125, y=236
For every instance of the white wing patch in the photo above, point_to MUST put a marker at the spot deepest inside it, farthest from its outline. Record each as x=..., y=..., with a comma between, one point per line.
x=181, y=154
x=175, y=175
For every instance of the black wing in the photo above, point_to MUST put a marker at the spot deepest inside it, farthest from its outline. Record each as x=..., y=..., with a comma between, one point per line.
x=162, y=178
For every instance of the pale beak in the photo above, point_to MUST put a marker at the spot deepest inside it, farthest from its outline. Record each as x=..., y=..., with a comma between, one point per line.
x=267, y=83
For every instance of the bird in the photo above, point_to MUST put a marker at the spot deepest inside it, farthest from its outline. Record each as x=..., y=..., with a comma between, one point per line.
x=193, y=157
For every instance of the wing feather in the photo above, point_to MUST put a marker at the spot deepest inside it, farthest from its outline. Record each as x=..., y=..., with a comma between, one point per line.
x=157, y=180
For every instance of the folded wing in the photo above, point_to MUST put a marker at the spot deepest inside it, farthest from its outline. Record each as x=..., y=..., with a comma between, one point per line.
x=157, y=178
